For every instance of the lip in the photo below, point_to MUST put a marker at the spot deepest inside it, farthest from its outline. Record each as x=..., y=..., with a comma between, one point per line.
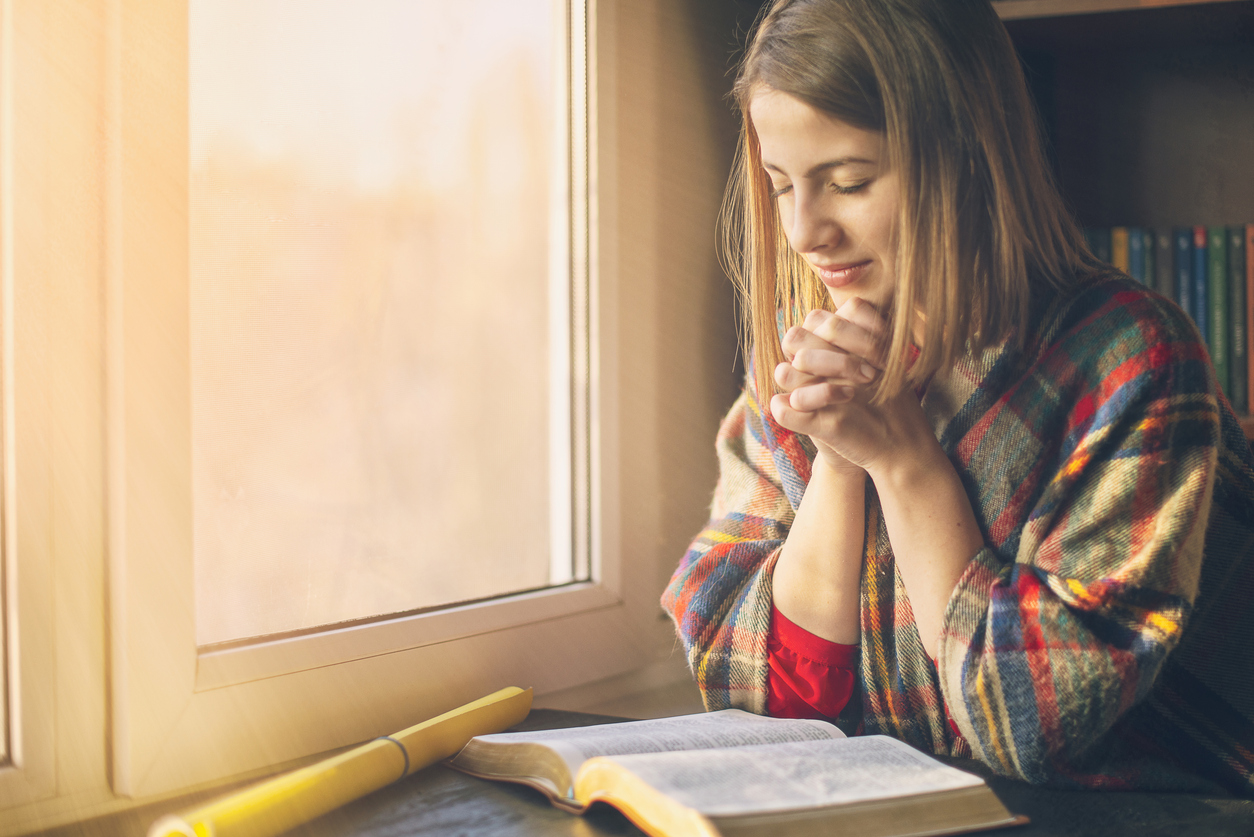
x=839, y=275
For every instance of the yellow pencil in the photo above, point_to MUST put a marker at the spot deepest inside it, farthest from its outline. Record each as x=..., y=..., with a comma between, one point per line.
x=286, y=801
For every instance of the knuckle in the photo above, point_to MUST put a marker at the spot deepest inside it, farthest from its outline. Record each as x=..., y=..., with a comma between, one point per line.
x=834, y=329
x=839, y=392
x=816, y=318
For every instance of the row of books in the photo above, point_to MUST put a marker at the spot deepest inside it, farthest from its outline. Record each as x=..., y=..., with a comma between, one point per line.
x=1209, y=272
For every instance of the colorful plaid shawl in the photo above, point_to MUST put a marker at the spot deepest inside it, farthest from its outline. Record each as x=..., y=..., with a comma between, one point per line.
x=1103, y=638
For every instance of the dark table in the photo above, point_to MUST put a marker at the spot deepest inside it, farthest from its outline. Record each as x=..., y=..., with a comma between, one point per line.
x=442, y=801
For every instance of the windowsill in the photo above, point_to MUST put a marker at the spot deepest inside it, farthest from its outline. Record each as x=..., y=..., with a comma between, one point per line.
x=660, y=690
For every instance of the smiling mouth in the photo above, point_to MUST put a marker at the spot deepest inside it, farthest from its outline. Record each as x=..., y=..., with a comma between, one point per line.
x=838, y=276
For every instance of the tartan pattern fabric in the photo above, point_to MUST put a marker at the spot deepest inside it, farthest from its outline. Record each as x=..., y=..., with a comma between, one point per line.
x=1102, y=637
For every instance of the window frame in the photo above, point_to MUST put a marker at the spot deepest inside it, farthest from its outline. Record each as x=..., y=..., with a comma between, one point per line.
x=658, y=374
x=183, y=716
x=27, y=769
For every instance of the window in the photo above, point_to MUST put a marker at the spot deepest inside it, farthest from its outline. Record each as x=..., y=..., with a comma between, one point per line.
x=339, y=244
x=372, y=188
x=114, y=696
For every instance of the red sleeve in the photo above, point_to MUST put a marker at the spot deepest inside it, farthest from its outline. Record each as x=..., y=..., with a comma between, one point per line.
x=807, y=676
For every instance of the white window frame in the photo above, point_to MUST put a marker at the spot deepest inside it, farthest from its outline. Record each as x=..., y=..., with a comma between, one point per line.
x=183, y=716
x=91, y=241
x=27, y=770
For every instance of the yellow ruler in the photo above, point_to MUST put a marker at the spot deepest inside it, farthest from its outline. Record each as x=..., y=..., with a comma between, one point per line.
x=283, y=802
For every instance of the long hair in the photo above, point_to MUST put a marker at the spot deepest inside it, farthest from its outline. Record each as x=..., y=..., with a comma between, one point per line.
x=981, y=228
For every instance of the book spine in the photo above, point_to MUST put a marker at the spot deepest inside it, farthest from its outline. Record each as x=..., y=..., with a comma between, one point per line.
x=1217, y=293
x=1249, y=312
x=1136, y=254
x=1147, y=250
x=1164, y=276
x=1200, y=307
x=1183, y=264
x=1238, y=363
x=1119, y=249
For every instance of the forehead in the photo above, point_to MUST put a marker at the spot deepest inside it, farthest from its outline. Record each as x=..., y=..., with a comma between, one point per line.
x=794, y=135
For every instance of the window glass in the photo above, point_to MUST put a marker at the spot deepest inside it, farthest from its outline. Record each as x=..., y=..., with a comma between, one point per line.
x=370, y=221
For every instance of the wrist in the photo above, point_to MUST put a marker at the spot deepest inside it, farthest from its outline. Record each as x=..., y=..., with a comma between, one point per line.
x=913, y=462
x=835, y=466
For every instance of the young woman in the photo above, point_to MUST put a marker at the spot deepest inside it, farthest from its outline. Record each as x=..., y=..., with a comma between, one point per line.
x=980, y=492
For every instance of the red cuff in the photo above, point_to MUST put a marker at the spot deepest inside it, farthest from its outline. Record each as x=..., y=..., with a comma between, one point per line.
x=807, y=676
x=801, y=642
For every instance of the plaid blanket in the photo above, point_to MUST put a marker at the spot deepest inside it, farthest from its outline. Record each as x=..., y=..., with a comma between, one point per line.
x=1104, y=636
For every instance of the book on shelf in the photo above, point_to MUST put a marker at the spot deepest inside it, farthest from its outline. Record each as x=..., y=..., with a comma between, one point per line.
x=1184, y=268
x=1136, y=254
x=1209, y=273
x=1249, y=316
x=1201, y=284
x=1238, y=361
x=1164, y=277
x=1147, y=276
x=1120, y=256
x=1217, y=293
x=734, y=773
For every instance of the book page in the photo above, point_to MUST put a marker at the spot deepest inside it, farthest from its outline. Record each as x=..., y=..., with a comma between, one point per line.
x=707, y=731
x=790, y=776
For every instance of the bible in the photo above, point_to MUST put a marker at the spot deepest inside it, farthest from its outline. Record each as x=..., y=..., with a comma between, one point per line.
x=733, y=773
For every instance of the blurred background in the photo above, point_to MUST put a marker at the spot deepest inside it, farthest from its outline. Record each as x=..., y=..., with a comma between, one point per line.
x=370, y=211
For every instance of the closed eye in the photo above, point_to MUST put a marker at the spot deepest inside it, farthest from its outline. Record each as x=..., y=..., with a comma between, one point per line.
x=848, y=190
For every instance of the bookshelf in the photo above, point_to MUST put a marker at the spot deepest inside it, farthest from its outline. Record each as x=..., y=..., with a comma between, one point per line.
x=1020, y=9
x=1148, y=106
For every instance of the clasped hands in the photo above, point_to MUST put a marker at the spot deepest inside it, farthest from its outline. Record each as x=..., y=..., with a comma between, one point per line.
x=833, y=362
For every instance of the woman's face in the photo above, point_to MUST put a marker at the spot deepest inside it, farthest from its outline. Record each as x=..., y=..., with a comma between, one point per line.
x=837, y=198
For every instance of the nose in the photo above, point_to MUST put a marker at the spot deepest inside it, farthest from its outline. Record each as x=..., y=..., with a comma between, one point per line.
x=813, y=226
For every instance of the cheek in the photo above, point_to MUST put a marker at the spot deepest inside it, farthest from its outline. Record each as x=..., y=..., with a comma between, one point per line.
x=784, y=215
x=881, y=228
x=888, y=250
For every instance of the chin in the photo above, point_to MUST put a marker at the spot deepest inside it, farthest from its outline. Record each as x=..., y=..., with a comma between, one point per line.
x=875, y=296
x=840, y=297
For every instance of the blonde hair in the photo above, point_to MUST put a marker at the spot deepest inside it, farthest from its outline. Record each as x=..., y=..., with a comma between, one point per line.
x=981, y=228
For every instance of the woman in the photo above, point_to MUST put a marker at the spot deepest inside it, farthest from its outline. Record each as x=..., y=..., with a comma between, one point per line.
x=980, y=492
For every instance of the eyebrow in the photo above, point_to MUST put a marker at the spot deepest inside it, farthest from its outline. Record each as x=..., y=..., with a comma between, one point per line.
x=822, y=167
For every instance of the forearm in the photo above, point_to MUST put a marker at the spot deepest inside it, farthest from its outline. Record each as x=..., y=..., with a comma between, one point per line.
x=817, y=576
x=932, y=529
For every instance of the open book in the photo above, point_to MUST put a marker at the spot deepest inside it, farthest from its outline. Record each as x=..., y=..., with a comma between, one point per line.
x=734, y=773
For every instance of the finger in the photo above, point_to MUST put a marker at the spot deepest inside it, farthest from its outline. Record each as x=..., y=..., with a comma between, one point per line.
x=820, y=363
x=814, y=397
x=847, y=335
x=816, y=319
x=786, y=416
x=789, y=377
x=797, y=421
x=864, y=315
x=800, y=337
